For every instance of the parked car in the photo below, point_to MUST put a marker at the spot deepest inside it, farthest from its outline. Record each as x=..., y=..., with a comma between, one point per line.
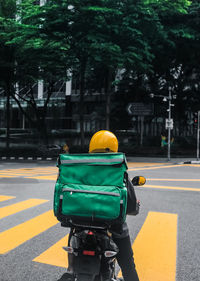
x=51, y=150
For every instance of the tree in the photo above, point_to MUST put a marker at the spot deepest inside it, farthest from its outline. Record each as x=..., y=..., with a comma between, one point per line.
x=108, y=35
x=162, y=38
x=140, y=39
x=176, y=63
x=39, y=55
x=7, y=58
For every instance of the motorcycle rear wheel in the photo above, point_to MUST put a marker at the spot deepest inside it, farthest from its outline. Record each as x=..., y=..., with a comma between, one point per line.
x=84, y=277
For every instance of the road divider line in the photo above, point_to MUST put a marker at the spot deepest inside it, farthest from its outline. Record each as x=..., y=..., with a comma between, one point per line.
x=21, y=233
x=20, y=206
x=10, y=173
x=159, y=167
x=7, y=176
x=187, y=180
x=143, y=164
x=4, y=198
x=155, y=248
x=32, y=171
x=43, y=177
x=55, y=255
x=171, y=187
x=193, y=165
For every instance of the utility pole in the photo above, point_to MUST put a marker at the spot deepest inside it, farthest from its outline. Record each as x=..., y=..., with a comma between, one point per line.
x=198, y=133
x=169, y=128
x=169, y=121
x=8, y=116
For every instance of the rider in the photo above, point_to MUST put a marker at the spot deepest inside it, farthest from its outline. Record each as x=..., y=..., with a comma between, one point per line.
x=105, y=141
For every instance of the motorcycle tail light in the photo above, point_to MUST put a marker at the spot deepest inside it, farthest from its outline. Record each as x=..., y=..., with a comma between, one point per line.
x=68, y=249
x=109, y=254
x=88, y=253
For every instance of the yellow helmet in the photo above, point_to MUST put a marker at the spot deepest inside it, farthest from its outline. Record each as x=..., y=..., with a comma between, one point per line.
x=103, y=141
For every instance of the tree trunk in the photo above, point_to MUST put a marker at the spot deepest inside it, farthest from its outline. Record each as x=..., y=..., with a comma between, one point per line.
x=43, y=132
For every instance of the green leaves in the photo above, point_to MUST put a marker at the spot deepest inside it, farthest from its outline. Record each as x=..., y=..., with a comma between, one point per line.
x=170, y=6
x=134, y=35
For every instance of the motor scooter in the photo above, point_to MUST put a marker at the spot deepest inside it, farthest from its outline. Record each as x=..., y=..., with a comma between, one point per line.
x=92, y=251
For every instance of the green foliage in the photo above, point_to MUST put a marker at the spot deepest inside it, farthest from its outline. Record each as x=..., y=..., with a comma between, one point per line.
x=156, y=42
x=170, y=6
x=114, y=34
x=7, y=9
x=7, y=14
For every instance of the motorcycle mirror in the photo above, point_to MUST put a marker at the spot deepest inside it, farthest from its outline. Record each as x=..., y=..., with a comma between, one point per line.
x=138, y=180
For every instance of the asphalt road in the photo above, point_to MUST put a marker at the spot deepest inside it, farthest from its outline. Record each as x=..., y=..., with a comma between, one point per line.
x=165, y=235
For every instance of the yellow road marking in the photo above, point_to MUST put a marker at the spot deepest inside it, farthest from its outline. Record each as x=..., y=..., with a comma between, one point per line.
x=44, y=177
x=190, y=180
x=11, y=174
x=20, y=206
x=159, y=167
x=55, y=255
x=171, y=187
x=4, y=197
x=31, y=172
x=19, y=234
x=42, y=174
x=43, y=169
x=155, y=248
x=142, y=164
x=27, y=173
x=24, y=174
x=6, y=176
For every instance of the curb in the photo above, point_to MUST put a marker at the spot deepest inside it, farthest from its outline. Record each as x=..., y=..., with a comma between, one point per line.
x=28, y=158
x=31, y=158
x=190, y=162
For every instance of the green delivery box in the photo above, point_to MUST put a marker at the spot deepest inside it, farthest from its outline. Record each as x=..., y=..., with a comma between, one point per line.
x=91, y=188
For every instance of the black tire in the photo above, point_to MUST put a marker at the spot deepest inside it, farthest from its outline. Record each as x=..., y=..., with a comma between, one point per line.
x=85, y=277
x=66, y=277
x=98, y=278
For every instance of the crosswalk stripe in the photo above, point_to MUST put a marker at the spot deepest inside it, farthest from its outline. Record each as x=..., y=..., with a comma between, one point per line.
x=4, y=198
x=21, y=233
x=155, y=248
x=55, y=255
x=20, y=206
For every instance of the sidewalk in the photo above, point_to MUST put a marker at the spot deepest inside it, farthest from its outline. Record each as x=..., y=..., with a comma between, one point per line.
x=184, y=160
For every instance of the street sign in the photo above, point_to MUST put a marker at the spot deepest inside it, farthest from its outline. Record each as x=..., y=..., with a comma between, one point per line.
x=169, y=124
x=141, y=109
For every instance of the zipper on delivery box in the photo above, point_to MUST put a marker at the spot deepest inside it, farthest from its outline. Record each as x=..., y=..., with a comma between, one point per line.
x=91, y=192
